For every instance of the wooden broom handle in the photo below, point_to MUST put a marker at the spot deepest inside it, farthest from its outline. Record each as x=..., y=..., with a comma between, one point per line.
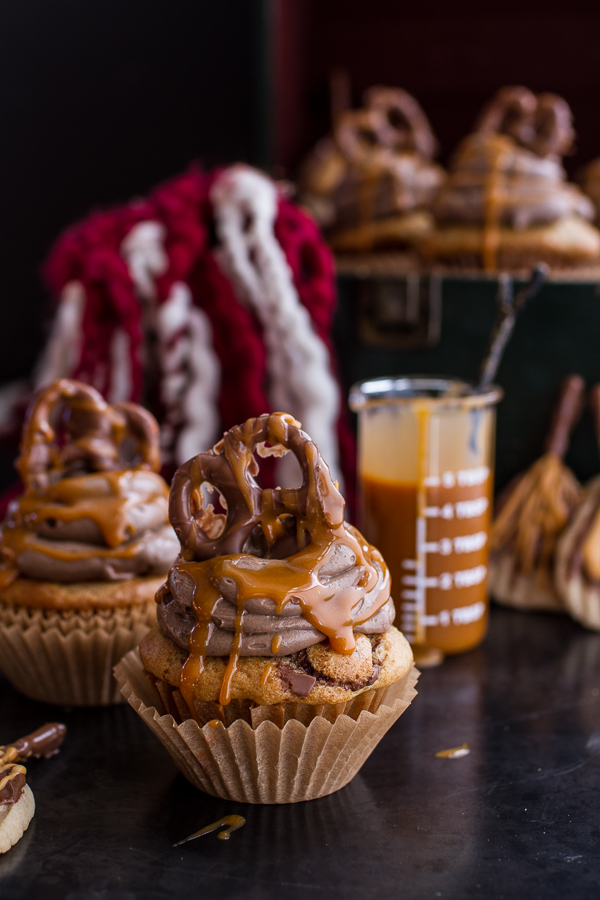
x=566, y=413
x=595, y=408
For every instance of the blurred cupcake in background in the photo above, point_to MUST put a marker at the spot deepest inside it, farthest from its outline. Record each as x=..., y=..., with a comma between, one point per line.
x=371, y=184
x=506, y=202
x=84, y=548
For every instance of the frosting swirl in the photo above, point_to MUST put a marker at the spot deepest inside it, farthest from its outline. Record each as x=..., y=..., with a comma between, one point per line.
x=279, y=571
x=94, y=508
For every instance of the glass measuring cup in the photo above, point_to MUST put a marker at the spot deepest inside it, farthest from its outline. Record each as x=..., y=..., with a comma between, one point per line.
x=425, y=466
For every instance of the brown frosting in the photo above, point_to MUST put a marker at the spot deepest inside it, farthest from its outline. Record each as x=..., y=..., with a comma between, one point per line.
x=44, y=742
x=279, y=570
x=94, y=507
x=508, y=172
x=376, y=164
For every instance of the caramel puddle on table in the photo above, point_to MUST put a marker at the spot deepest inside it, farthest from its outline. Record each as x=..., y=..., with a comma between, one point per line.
x=454, y=752
x=232, y=823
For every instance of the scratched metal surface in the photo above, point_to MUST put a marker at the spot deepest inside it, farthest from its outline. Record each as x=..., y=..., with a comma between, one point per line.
x=518, y=817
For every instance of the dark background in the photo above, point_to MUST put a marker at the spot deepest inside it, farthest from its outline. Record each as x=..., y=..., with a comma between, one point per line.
x=451, y=54
x=102, y=99
x=99, y=101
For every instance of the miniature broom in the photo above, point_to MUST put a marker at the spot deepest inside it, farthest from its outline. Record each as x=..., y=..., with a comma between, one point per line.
x=577, y=571
x=532, y=513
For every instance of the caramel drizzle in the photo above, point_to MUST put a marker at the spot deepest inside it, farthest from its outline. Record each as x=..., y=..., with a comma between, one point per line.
x=264, y=678
x=494, y=199
x=231, y=823
x=43, y=742
x=319, y=510
x=9, y=769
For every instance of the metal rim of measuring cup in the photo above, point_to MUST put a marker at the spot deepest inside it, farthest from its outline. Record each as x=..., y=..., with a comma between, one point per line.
x=440, y=390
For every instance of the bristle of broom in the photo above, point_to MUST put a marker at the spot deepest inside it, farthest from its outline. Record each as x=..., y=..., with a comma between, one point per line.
x=535, y=513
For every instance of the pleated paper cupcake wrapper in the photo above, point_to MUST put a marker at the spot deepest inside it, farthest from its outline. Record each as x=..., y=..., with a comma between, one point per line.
x=267, y=763
x=280, y=713
x=67, y=658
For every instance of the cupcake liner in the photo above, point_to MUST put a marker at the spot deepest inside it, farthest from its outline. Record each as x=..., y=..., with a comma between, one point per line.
x=511, y=587
x=279, y=713
x=67, y=658
x=266, y=762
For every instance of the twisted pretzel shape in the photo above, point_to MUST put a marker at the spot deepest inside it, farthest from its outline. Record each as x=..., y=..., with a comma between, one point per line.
x=231, y=468
x=410, y=129
x=96, y=435
x=541, y=123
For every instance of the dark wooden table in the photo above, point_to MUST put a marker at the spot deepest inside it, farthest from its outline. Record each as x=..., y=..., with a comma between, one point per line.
x=519, y=817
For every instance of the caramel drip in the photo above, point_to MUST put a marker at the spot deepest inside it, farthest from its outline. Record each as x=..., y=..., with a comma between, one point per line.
x=12, y=772
x=275, y=644
x=454, y=752
x=423, y=412
x=231, y=823
x=295, y=578
x=106, y=499
x=493, y=204
x=319, y=511
x=267, y=673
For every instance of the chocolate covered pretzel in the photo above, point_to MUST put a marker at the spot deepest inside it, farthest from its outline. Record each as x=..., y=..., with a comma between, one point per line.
x=98, y=435
x=541, y=123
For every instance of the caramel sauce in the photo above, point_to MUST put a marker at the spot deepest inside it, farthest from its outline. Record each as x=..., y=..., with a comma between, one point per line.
x=232, y=823
x=493, y=203
x=454, y=752
x=275, y=644
x=106, y=498
x=294, y=578
x=391, y=509
x=318, y=508
x=267, y=673
x=13, y=771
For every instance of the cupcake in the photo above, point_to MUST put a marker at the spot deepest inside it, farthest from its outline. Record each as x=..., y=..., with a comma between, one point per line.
x=506, y=203
x=371, y=184
x=84, y=548
x=274, y=667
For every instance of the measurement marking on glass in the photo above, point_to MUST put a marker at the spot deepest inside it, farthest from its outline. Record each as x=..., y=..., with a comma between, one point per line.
x=462, y=509
x=462, y=578
x=462, y=478
x=416, y=582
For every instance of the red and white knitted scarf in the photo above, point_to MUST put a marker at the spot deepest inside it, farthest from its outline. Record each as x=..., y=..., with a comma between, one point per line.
x=210, y=301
